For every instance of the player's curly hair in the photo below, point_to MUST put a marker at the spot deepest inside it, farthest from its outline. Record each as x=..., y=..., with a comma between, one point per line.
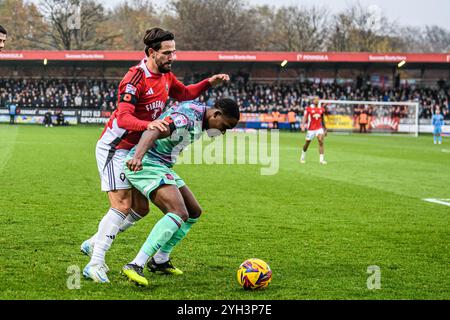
x=153, y=38
x=3, y=30
x=229, y=107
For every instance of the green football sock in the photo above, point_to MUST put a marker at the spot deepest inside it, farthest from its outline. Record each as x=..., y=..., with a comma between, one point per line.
x=162, y=232
x=178, y=235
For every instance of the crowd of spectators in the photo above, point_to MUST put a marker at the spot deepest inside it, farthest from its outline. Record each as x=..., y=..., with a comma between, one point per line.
x=253, y=97
x=62, y=94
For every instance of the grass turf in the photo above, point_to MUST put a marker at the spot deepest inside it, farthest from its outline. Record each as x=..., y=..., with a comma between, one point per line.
x=318, y=227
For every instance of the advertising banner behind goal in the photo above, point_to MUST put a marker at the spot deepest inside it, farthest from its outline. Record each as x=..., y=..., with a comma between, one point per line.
x=371, y=116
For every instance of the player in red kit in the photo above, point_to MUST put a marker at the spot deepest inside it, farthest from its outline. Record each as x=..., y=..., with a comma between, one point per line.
x=313, y=121
x=142, y=95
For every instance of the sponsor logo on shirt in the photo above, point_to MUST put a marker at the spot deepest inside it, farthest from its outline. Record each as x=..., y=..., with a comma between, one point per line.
x=155, y=105
x=180, y=120
x=130, y=89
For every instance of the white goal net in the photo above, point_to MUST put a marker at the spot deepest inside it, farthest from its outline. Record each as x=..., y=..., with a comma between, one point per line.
x=371, y=116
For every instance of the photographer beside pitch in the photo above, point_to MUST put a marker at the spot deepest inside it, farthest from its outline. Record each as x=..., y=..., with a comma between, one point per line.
x=149, y=170
x=142, y=95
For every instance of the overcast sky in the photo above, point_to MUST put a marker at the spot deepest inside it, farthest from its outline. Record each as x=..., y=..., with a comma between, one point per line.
x=406, y=12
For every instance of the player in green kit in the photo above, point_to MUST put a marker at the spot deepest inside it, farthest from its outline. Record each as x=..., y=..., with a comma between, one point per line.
x=149, y=169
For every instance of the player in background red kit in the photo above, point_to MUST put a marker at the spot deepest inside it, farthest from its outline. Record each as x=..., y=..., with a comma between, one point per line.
x=142, y=95
x=313, y=121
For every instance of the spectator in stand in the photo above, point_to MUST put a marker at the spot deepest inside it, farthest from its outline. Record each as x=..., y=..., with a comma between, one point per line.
x=252, y=96
x=78, y=101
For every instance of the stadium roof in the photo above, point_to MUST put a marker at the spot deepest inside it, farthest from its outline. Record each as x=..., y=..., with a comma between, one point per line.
x=232, y=56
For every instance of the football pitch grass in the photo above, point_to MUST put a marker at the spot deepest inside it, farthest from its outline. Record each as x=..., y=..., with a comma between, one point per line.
x=318, y=227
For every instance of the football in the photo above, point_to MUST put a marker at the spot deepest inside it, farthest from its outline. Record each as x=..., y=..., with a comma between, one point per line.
x=254, y=274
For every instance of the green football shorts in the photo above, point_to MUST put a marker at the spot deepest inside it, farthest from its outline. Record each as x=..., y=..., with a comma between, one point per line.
x=152, y=175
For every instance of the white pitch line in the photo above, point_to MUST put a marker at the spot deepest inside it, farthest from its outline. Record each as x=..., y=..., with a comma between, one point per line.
x=438, y=201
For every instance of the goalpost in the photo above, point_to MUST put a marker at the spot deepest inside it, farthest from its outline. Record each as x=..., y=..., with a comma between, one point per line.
x=382, y=117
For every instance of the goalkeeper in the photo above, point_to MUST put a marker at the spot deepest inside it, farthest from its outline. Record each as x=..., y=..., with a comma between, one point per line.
x=437, y=122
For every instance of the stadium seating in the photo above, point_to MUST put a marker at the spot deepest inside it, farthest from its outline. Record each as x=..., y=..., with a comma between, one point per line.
x=252, y=96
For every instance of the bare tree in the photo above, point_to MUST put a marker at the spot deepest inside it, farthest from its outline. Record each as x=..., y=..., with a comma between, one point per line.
x=211, y=24
x=360, y=29
x=409, y=39
x=437, y=39
x=297, y=28
x=131, y=20
x=422, y=39
x=263, y=23
x=24, y=23
x=90, y=33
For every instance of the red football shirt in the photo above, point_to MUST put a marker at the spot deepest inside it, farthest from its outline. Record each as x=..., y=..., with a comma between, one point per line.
x=314, y=117
x=142, y=96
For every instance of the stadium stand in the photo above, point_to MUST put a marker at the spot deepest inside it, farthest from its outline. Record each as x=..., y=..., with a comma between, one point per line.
x=253, y=97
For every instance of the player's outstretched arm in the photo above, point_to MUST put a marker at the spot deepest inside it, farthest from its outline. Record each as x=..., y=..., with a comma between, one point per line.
x=146, y=141
x=218, y=79
x=180, y=92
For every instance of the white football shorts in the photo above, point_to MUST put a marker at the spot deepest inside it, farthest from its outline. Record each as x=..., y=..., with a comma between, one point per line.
x=310, y=134
x=110, y=163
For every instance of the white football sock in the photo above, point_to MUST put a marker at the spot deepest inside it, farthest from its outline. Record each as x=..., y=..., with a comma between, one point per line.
x=303, y=155
x=161, y=257
x=92, y=240
x=141, y=259
x=132, y=217
x=107, y=231
x=321, y=157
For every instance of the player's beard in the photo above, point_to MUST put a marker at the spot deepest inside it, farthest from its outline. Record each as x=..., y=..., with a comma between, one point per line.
x=165, y=68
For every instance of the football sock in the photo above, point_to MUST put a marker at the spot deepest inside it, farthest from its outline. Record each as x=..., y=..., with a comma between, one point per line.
x=141, y=259
x=322, y=157
x=92, y=239
x=161, y=256
x=163, y=253
x=303, y=155
x=129, y=221
x=107, y=231
x=132, y=217
x=160, y=234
